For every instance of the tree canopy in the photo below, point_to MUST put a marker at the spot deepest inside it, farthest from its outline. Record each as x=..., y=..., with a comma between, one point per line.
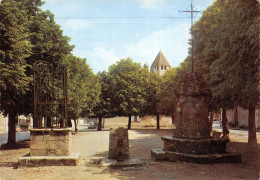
x=226, y=53
x=83, y=87
x=29, y=34
x=127, y=86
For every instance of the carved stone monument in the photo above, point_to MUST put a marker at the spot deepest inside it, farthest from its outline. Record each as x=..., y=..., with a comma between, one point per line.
x=118, y=144
x=118, y=154
x=191, y=140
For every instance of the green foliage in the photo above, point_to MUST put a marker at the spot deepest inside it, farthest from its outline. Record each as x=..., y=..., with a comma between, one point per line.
x=102, y=109
x=49, y=44
x=83, y=87
x=127, y=87
x=27, y=35
x=151, y=102
x=226, y=41
x=166, y=90
x=14, y=49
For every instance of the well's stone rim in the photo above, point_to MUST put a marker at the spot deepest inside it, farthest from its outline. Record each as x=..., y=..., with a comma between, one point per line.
x=51, y=129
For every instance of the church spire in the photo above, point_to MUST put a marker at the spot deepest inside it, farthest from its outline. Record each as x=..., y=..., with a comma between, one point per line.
x=160, y=63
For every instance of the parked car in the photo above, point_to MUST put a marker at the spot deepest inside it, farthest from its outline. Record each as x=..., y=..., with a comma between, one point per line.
x=91, y=125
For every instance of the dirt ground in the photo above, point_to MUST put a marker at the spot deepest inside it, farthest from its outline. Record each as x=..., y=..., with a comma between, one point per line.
x=93, y=144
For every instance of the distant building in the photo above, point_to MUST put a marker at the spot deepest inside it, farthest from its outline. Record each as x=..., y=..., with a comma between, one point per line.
x=160, y=64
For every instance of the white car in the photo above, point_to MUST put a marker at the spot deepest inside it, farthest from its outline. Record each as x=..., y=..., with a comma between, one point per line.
x=91, y=125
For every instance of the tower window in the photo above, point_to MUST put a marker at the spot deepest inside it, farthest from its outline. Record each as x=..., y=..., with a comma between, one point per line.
x=164, y=67
x=161, y=67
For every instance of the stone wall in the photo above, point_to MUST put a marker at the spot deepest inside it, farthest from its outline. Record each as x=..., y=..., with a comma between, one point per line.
x=50, y=142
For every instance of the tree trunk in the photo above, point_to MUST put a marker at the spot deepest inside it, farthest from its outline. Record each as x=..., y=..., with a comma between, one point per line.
x=172, y=119
x=48, y=122
x=11, y=130
x=251, y=126
x=69, y=123
x=103, y=123
x=76, y=126
x=236, y=117
x=158, y=120
x=99, y=123
x=61, y=123
x=225, y=130
x=129, y=121
x=211, y=121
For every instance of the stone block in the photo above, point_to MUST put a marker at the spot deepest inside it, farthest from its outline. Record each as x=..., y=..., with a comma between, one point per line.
x=193, y=146
x=158, y=155
x=32, y=161
x=118, y=143
x=50, y=142
x=39, y=144
x=38, y=152
x=229, y=157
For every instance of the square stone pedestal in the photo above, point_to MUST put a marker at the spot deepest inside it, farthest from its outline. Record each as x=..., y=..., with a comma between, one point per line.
x=50, y=142
x=50, y=147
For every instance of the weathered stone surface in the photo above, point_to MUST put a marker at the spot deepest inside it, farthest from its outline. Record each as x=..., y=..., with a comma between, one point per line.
x=118, y=144
x=118, y=164
x=193, y=146
x=50, y=142
x=192, y=103
x=158, y=155
x=229, y=157
x=191, y=140
x=32, y=161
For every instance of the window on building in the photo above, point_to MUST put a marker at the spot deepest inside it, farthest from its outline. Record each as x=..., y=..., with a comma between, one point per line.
x=161, y=67
x=164, y=67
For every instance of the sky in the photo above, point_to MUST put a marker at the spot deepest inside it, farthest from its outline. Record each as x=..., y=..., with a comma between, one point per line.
x=105, y=31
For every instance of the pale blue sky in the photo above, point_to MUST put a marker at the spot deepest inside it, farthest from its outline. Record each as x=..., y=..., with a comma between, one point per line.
x=105, y=31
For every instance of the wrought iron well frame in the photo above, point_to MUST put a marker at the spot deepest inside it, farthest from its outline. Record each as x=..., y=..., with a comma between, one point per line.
x=50, y=95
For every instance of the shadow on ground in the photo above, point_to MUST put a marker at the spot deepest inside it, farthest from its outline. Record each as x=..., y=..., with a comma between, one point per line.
x=145, y=140
x=19, y=145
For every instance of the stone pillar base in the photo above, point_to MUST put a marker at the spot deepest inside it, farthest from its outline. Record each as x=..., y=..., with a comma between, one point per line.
x=50, y=142
x=228, y=157
x=50, y=147
x=34, y=161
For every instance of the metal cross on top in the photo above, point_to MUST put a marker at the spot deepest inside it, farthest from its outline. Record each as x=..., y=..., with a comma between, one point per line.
x=191, y=12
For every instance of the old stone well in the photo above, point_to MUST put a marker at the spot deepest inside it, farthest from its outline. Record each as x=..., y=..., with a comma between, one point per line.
x=191, y=140
x=50, y=137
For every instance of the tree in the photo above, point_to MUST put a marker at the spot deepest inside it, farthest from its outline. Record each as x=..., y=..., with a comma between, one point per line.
x=226, y=53
x=83, y=88
x=102, y=109
x=14, y=49
x=127, y=86
x=150, y=107
x=27, y=35
x=49, y=44
x=166, y=92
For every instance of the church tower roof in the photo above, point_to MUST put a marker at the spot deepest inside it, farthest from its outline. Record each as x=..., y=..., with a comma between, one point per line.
x=160, y=60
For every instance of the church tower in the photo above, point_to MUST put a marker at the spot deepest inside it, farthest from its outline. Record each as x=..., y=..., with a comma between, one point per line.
x=160, y=64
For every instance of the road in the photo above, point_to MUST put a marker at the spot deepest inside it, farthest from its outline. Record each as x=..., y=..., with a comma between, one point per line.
x=20, y=136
